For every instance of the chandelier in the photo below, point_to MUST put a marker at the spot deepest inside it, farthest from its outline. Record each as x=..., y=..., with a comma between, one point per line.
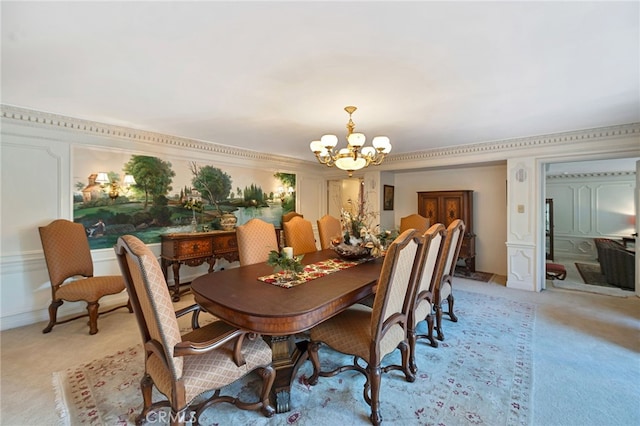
x=354, y=156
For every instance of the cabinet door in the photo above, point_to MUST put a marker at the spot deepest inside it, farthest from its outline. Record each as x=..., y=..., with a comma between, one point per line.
x=452, y=208
x=429, y=207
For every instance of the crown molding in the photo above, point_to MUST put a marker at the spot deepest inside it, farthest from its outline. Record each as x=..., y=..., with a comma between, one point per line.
x=555, y=139
x=38, y=118
x=44, y=119
x=590, y=175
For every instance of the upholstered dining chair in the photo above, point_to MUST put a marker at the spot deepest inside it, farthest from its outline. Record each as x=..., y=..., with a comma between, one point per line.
x=298, y=233
x=256, y=239
x=329, y=228
x=444, y=289
x=430, y=274
x=183, y=367
x=369, y=334
x=414, y=221
x=288, y=216
x=67, y=254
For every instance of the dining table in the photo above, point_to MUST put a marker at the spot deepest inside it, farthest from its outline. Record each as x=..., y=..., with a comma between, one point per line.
x=281, y=315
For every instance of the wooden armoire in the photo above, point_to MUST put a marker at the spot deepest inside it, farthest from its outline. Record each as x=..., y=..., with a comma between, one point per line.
x=446, y=206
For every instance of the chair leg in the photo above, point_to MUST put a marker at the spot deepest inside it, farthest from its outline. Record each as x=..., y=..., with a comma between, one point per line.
x=92, y=307
x=312, y=351
x=453, y=317
x=146, y=387
x=405, y=351
x=129, y=307
x=268, y=375
x=432, y=341
x=53, y=314
x=411, y=336
x=375, y=374
x=438, y=308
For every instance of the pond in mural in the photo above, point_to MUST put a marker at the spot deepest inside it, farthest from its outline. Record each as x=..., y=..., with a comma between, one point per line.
x=117, y=193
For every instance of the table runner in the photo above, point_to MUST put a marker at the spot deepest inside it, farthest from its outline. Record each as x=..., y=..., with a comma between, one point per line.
x=312, y=271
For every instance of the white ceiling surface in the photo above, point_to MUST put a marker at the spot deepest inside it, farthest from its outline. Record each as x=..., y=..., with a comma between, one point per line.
x=272, y=76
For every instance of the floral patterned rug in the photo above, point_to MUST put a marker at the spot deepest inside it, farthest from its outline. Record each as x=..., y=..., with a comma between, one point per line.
x=479, y=375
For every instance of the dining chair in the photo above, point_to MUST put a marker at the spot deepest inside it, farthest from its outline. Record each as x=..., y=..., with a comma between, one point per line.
x=183, y=367
x=298, y=234
x=67, y=254
x=371, y=333
x=415, y=221
x=434, y=240
x=444, y=290
x=329, y=229
x=256, y=239
x=288, y=216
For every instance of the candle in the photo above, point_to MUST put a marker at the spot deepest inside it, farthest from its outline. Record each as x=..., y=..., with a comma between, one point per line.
x=288, y=252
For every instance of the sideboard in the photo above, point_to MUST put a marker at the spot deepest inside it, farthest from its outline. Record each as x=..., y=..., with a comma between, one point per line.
x=193, y=249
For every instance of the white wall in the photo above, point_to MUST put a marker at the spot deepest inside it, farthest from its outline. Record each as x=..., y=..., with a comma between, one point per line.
x=588, y=206
x=489, y=205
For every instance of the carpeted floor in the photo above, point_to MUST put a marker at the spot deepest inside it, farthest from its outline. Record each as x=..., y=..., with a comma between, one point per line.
x=480, y=374
x=592, y=274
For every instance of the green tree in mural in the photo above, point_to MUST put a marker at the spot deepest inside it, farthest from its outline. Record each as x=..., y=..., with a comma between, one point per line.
x=287, y=179
x=212, y=183
x=153, y=176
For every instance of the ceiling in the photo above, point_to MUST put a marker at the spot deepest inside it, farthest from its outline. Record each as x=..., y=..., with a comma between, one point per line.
x=273, y=76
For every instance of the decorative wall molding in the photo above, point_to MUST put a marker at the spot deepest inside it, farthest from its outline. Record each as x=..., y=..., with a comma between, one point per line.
x=39, y=118
x=565, y=138
x=591, y=175
x=43, y=119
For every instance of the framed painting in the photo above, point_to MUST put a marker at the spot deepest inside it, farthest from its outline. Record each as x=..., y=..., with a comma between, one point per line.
x=387, y=198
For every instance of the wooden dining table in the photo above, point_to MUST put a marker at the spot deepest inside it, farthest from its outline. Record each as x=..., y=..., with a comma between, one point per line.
x=239, y=298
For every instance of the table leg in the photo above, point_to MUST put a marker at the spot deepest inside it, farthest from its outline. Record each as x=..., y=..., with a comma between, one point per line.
x=176, y=281
x=287, y=358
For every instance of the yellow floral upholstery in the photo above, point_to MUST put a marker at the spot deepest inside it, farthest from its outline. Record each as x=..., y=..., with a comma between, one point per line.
x=256, y=239
x=371, y=333
x=414, y=221
x=298, y=233
x=182, y=376
x=329, y=228
x=67, y=254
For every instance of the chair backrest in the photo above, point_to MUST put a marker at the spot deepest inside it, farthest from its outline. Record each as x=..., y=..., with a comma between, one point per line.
x=256, y=239
x=150, y=300
x=455, y=233
x=434, y=241
x=395, y=290
x=288, y=216
x=329, y=228
x=415, y=221
x=66, y=250
x=298, y=233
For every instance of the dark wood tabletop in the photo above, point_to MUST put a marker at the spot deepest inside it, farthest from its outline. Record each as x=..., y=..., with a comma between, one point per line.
x=237, y=296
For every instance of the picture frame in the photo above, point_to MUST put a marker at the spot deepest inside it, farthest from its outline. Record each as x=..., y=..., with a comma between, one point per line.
x=387, y=197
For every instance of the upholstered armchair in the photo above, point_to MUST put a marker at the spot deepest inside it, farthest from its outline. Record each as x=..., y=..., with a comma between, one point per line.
x=256, y=239
x=67, y=254
x=329, y=228
x=298, y=233
x=426, y=287
x=444, y=291
x=369, y=334
x=183, y=367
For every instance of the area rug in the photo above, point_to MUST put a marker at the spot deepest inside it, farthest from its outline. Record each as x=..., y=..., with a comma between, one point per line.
x=592, y=274
x=479, y=375
x=461, y=272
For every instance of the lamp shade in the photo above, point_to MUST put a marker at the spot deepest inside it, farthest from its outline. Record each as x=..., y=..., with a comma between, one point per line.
x=102, y=178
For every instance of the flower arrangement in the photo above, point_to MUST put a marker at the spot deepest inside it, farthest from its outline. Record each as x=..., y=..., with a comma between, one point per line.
x=291, y=266
x=194, y=203
x=359, y=230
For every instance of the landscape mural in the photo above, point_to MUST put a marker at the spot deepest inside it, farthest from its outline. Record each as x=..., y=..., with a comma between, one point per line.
x=148, y=196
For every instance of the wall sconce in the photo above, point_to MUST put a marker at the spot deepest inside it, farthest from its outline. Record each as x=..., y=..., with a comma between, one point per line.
x=282, y=193
x=112, y=187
